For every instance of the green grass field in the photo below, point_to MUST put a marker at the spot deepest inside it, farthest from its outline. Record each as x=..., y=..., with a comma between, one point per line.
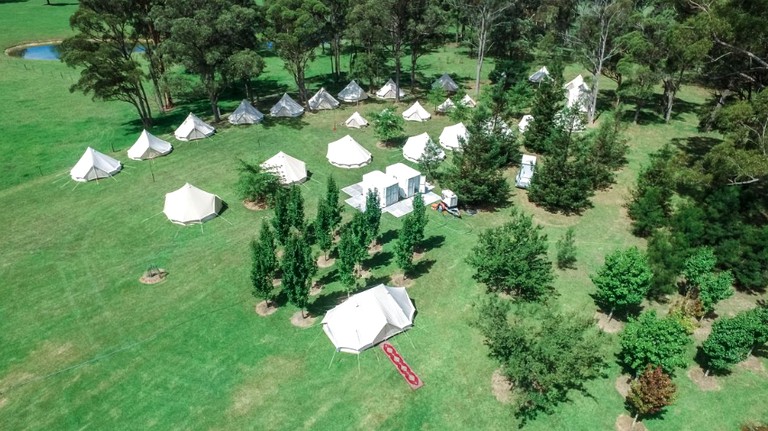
x=85, y=345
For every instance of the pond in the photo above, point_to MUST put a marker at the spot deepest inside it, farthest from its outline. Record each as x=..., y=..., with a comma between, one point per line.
x=44, y=52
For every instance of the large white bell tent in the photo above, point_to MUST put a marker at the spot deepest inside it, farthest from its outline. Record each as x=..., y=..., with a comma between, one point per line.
x=246, y=114
x=190, y=205
x=94, y=165
x=352, y=93
x=577, y=93
x=322, y=100
x=468, y=101
x=368, y=318
x=356, y=121
x=148, y=146
x=416, y=145
x=389, y=91
x=347, y=153
x=193, y=128
x=452, y=136
x=446, y=83
x=416, y=112
x=286, y=107
x=446, y=106
x=289, y=169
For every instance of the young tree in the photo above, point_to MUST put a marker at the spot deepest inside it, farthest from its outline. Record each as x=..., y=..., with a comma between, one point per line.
x=387, y=125
x=103, y=46
x=372, y=215
x=566, y=250
x=546, y=104
x=405, y=245
x=264, y=264
x=295, y=208
x=323, y=229
x=513, y=259
x=424, y=29
x=419, y=219
x=256, y=184
x=729, y=343
x=296, y=27
x=353, y=247
x=650, y=204
x=436, y=96
x=650, y=393
x=703, y=282
x=607, y=153
x=648, y=340
x=281, y=221
x=298, y=267
x=430, y=159
x=545, y=354
x=332, y=203
x=623, y=281
x=244, y=66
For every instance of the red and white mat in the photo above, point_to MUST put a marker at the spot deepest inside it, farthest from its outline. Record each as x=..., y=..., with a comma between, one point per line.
x=402, y=367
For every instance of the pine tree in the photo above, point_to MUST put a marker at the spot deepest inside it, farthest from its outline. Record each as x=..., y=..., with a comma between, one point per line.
x=264, y=264
x=298, y=267
x=566, y=250
x=372, y=215
x=546, y=104
x=347, y=251
x=651, y=392
x=607, y=153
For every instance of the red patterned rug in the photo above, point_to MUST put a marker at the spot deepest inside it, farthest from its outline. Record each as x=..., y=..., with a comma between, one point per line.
x=410, y=377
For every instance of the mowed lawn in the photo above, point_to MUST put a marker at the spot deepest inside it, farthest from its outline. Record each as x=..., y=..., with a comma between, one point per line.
x=85, y=345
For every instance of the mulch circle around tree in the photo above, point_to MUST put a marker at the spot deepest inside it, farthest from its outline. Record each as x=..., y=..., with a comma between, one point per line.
x=610, y=327
x=315, y=289
x=754, y=364
x=399, y=280
x=501, y=387
x=262, y=309
x=153, y=277
x=624, y=423
x=622, y=384
x=702, y=332
x=277, y=282
x=374, y=249
x=704, y=382
x=254, y=206
x=302, y=322
x=322, y=262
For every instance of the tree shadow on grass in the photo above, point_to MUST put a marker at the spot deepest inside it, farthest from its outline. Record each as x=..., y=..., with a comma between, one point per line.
x=297, y=123
x=375, y=281
x=329, y=277
x=433, y=242
x=268, y=89
x=695, y=146
x=388, y=236
x=323, y=303
x=421, y=267
x=378, y=260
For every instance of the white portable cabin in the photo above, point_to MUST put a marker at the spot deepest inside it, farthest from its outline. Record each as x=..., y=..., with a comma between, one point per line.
x=527, y=168
x=449, y=198
x=385, y=186
x=193, y=128
x=408, y=179
x=352, y=93
x=389, y=91
x=322, y=100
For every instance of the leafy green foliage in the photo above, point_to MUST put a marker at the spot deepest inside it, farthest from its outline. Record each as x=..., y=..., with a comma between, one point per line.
x=566, y=250
x=405, y=244
x=372, y=215
x=651, y=392
x=607, y=153
x=699, y=264
x=353, y=249
x=323, y=230
x=419, y=218
x=513, y=259
x=295, y=208
x=256, y=184
x=648, y=340
x=264, y=264
x=436, y=96
x=623, y=281
x=388, y=125
x=729, y=343
x=545, y=354
x=281, y=219
x=332, y=203
x=298, y=266
x=650, y=204
x=430, y=159
x=546, y=104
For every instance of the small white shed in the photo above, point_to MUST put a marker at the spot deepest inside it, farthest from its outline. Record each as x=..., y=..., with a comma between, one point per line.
x=386, y=186
x=408, y=179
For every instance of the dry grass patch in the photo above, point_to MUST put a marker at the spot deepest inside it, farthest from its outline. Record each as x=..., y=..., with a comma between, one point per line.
x=302, y=320
x=264, y=309
x=622, y=384
x=704, y=382
x=322, y=262
x=754, y=364
x=400, y=280
x=610, y=326
x=624, y=423
x=501, y=387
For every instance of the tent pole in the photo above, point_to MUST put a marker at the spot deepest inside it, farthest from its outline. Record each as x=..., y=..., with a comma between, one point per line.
x=334, y=355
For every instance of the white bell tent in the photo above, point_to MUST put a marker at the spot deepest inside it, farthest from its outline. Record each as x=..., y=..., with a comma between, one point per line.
x=446, y=83
x=408, y=179
x=148, y=146
x=389, y=91
x=322, y=100
x=193, y=128
x=352, y=93
x=347, y=153
x=416, y=145
x=577, y=93
x=368, y=318
x=527, y=167
x=246, y=114
x=290, y=169
x=190, y=205
x=356, y=121
x=446, y=106
x=416, y=112
x=540, y=75
x=286, y=107
x=452, y=136
x=524, y=122
x=94, y=165
x=385, y=186
x=468, y=101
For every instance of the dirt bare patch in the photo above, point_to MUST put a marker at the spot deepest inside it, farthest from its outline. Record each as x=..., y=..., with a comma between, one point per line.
x=255, y=205
x=624, y=423
x=704, y=382
x=301, y=321
x=754, y=364
x=153, y=276
x=263, y=309
x=400, y=280
x=611, y=326
x=277, y=282
x=322, y=262
x=374, y=249
x=622, y=384
x=365, y=273
x=315, y=289
x=3, y=401
x=418, y=255
x=501, y=387
x=702, y=332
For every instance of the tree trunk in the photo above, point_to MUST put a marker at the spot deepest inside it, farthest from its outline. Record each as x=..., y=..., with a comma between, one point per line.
x=414, y=59
x=337, y=54
x=706, y=373
x=481, y=40
x=634, y=421
x=248, y=90
x=669, y=98
x=398, y=66
x=300, y=84
x=638, y=107
x=610, y=315
x=716, y=109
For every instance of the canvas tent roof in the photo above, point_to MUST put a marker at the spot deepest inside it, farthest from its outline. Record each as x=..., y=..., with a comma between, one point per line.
x=368, y=318
x=322, y=100
x=246, y=114
x=193, y=128
x=352, y=93
x=416, y=112
x=523, y=125
x=577, y=93
x=93, y=165
x=527, y=167
x=286, y=107
x=468, y=101
x=148, y=146
x=388, y=91
x=446, y=83
x=190, y=205
x=540, y=75
x=356, y=121
x=347, y=153
x=449, y=139
x=416, y=145
x=446, y=106
x=497, y=125
x=290, y=169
